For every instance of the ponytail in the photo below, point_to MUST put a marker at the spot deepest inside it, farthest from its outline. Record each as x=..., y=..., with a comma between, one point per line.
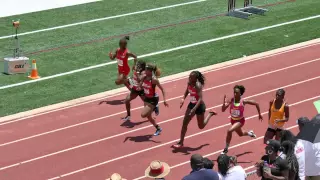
x=157, y=71
x=127, y=38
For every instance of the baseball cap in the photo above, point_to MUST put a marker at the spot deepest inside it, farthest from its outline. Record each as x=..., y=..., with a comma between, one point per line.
x=274, y=144
x=302, y=121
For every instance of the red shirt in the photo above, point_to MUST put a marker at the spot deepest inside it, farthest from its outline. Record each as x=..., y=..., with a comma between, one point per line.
x=122, y=59
x=194, y=97
x=135, y=81
x=148, y=88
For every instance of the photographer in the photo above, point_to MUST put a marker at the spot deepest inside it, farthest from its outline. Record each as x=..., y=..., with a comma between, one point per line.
x=272, y=166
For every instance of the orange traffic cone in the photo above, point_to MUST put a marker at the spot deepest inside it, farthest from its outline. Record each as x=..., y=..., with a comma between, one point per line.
x=34, y=71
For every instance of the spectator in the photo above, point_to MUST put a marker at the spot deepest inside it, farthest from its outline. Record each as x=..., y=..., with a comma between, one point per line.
x=302, y=121
x=157, y=170
x=115, y=176
x=299, y=151
x=272, y=166
x=208, y=164
x=228, y=168
x=198, y=171
x=289, y=155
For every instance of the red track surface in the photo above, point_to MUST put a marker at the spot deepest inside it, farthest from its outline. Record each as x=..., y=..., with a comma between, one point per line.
x=37, y=148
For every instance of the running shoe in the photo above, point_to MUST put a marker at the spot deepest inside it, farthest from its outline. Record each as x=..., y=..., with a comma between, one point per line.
x=178, y=145
x=251, y=134
x=127, y=118
x=156, y=110
x=225, y=151
x=158, y=131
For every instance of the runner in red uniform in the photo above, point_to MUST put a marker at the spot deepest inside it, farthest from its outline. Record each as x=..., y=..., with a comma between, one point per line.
x=237, y=105
x=122, y=55
x=151, y=99
x=196, y=105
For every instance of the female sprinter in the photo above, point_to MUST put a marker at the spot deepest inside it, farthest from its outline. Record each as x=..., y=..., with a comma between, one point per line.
x=151, y=99
x=196, y=105
x=237, y=114
x=122, y=54
x=278, y=116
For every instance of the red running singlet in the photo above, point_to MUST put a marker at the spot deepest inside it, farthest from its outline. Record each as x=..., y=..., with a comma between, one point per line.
x=122, y=58
x=148, y=88
x=194, y=97
x=135, y=85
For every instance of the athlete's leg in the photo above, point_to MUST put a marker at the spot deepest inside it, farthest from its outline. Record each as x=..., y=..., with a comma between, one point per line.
x=202, y=122
x=229, y=135
x=269, y=135
x=127, y=101
x=147, y=113
x=278, y=134
x=186, y=120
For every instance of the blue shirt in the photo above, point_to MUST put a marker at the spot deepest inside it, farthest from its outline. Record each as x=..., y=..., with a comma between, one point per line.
x=203, y=174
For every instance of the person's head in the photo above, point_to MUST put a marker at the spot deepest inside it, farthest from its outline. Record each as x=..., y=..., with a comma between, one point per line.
x=225, y=162
x=115, y=176
x=123, y=42
x=238, y=91
x=196, y=162
x=152, y=69
x=196, y=76
x=207, y=163
x=287, y=135
x=287, y=147
x=302, y=121
x=280, y=94
x=272, y=148
x=140, y=66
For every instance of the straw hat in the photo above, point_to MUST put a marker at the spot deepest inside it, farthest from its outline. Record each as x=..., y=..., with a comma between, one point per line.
x=115, y=176
x=157, y=169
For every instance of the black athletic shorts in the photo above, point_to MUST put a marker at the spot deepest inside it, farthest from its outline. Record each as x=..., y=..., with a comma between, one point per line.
x=153, y=101
x=140, y=93
x=274, y=130
x=200, y=110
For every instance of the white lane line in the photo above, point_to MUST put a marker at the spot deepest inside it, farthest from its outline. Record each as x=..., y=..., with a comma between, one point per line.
x=167, y=80
x=103, y=19
x=207, y=89
x=161, y=52
x=100, y=140
x=167, y=143
x=207, y=155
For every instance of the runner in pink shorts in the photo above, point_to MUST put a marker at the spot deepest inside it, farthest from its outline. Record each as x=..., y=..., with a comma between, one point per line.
x=237, y=104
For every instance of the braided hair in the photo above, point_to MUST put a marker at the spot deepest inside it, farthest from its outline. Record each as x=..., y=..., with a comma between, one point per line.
x=241, y=88
x=287, y=135
x=288, y=150
x=200, y=77
x=223, y=164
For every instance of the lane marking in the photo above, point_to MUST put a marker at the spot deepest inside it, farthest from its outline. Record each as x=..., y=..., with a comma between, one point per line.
x=161, y=52
x=164, y=80
x=207, y=155
x=103, y=19
x=79, y=146
x=167, y=143
x=207, y=89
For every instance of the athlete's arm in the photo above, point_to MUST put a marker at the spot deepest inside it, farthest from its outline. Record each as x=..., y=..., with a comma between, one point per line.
x=134, y=58
x=286, y=112
x=251, y=102
x=225, y=104
x=113, y=56
x=199, y=92
x=269, y=112
x=184, y=97
x=156, y=82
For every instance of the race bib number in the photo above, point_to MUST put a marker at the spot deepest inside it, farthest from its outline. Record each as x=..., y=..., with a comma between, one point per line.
x=120, y=62
x=146, y=91
x=235, y=113
x=193, y=99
